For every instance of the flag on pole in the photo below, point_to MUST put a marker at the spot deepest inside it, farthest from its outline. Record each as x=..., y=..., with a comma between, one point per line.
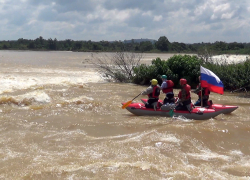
x=211, y=81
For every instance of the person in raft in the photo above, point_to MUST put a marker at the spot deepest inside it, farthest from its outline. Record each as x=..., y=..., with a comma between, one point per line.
x=153, y=92
x=184, y=102
x=204, y=94
x=167, y=88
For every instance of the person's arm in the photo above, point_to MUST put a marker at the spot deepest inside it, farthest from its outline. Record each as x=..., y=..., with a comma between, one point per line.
x=197, y=90
x=147, y=91
x=164, y=85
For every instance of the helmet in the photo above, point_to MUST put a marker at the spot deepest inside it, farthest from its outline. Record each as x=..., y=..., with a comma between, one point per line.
x=183, y=81
x=154, y=82
x=164, y=77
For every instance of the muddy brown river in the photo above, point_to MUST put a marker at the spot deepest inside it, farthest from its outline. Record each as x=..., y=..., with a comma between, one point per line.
x=60, y=120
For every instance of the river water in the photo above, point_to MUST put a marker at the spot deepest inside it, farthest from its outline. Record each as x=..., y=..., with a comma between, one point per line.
x=60, y=120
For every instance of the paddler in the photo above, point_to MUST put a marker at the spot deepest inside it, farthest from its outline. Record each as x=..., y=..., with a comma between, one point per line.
x=203, y=93
x=184, y=102
x=153, y=92
x=167, y=88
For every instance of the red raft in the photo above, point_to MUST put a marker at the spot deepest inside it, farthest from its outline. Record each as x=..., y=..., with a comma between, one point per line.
x=225, y=109
x=197, y=113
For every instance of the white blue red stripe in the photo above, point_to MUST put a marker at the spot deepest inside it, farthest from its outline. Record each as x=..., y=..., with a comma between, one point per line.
x=211, y=81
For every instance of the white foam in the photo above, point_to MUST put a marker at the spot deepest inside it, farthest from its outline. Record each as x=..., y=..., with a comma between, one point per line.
x=158, y=144
x=230, y=58
x=38, y=77
x=182, y=118
x=170, y=138
x=236, y=152
x=34, y=96
x=207, y=155
x=38, y=96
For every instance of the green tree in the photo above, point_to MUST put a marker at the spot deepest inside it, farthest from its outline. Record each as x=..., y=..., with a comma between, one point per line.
x=220, y=46
x=78, y=45
x=5, y=46
x=146, y=46
x=96, y=47
x=178, y=47
x=40, y=42
x=162, y=44
x=52, y=44
x=31, y=45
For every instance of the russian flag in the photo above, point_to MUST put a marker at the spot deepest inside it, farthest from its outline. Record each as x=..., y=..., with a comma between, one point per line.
x=211, y=81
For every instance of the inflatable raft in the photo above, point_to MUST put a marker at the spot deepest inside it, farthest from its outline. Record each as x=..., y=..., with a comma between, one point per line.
x=225, y=109
x=197, y=113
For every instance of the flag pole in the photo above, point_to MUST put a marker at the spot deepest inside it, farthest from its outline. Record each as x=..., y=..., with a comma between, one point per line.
x=201, y=98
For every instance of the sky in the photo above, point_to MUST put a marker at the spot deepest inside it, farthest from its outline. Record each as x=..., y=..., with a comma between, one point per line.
x=186, y=21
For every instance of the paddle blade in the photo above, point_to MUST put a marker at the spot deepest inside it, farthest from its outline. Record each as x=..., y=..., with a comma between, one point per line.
x=171, y=113
x=126, y=104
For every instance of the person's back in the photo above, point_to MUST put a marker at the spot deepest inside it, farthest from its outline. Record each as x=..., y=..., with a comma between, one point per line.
x=153, y=92
x=184, y=96
x=167, y=88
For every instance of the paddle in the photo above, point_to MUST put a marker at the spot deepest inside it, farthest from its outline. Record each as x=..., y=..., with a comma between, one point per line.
x=129, y=102
x=171, y=113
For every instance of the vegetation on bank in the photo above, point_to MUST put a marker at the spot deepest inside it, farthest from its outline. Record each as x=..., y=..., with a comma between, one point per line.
x=126, y=68
x=234, y=76
x=134, y=45
x=176, y=67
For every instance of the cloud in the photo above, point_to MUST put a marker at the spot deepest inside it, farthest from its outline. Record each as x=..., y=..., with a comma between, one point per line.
x=158, y=18
x=187, y=21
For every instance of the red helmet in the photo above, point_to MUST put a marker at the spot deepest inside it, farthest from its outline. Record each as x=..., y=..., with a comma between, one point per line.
x=183, y=81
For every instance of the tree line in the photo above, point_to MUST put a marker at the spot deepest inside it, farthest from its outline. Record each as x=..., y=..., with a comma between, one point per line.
x=161, y=45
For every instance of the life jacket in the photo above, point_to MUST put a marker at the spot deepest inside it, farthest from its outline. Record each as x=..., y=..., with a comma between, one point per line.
x=187, y=88
x=205, y=91
x=155, y=93
x=170, y=85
